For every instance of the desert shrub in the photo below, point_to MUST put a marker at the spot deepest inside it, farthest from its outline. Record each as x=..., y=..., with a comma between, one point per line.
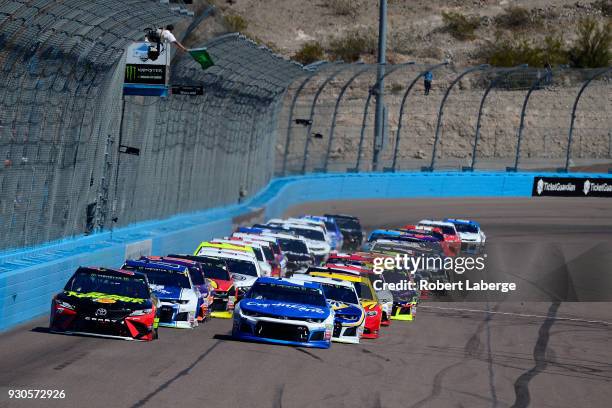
x=511, y=50
x=344, y=7
x=515, y=18
x=460, y=26
x=396, y=88
x=352, y=44
x=310, y=52
x=605, y=6
x=235, y=23
x=591, y=49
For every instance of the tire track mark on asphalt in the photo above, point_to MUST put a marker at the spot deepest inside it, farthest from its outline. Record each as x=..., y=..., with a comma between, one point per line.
x=471, y=351
x=521, y=385
x=308, y=353
x=278, y=399
x=180, y=374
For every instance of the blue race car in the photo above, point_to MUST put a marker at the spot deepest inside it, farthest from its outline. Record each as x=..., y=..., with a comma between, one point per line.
x=284, y=311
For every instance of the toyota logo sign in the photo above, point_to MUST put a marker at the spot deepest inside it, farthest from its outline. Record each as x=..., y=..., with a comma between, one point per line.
x=101, y=312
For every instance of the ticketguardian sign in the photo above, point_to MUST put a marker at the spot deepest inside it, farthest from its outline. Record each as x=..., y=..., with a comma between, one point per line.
x=571, y=187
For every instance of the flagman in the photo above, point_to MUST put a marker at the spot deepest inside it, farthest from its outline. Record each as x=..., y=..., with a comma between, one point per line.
x=167, y=36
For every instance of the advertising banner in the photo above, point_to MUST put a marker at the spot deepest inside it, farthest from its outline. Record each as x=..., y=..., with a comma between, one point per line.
x=571, y=187
x=146, y=69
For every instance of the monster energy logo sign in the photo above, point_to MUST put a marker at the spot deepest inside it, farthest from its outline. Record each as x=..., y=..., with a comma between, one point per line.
x=145, y=74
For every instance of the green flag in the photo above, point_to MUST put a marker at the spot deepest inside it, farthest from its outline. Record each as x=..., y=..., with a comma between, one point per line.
x=202, y=57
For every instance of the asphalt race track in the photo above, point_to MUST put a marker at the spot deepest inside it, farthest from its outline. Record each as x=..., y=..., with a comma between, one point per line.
x=536, y=348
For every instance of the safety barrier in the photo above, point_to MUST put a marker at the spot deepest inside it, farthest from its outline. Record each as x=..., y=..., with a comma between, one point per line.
x=29, y=278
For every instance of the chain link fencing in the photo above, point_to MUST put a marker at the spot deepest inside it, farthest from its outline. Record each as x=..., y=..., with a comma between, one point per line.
x=473, y=118
x=63, y=118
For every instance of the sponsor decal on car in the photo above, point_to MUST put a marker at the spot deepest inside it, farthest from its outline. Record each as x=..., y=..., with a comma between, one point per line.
x=104, y=297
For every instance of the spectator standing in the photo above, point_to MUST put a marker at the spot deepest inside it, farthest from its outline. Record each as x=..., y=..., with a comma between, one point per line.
x=428, y=78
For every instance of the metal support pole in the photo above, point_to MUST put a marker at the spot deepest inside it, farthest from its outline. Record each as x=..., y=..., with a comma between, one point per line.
x=494, y=81
x=312, y=111
x=116, y=192
x=367, y=107
x=290, y=120
x=573, y=117
x=535, y=86
x=380, y=80
x=335, y=115
x=441, y=110
x=401, y=114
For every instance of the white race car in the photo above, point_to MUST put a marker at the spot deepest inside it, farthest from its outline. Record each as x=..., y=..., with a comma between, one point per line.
x=472, y=238
x=343, y=299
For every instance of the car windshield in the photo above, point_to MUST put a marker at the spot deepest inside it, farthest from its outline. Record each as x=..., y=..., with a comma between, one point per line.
x=308, y=233
x=194, y=272
x=293, y=245
x=241, y=267
x=330, y=226
x=268, y=253
x=363, y=291
x=467, y=228
x=284, y=293
x=196, y=276
x=394, y=276
x=164, y=277
x=257, y=253
x=348, y=223
x=129, y=286
x=447, y=230
x=214, y=268
x=340, y=293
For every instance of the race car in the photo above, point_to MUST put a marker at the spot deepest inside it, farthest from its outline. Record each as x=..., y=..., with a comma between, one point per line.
x=179, y=299
x=342, y=297
x=284, y=311
x=105, y=302
x=351, y=230
x=472, y=238
x=198, y=279
x=366, y=293
x=225, y=292
x=337, y=240
x=451, y=236
x=242, y=266
x=279, y=257
x=385, y=298
x=404, y=302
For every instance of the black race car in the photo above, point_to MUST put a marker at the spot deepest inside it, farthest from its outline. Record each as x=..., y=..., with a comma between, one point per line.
x=351, y=230
x=106, y=302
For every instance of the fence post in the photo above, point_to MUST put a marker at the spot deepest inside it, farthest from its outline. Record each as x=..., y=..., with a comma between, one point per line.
x=312, y=110
x=401, y=113
x=441, y=111
x=290, y=120
x=494, y=81
x=336, y=107
x=573, y=117
x=366, y=108
x=533, y=87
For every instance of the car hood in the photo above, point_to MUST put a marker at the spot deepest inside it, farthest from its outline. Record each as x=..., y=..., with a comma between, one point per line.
x=345, y=309
x=220, y=285
x=166, y=292
x=469, y=235
x=104, y=300
x=285, y=309
x=241, y=280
